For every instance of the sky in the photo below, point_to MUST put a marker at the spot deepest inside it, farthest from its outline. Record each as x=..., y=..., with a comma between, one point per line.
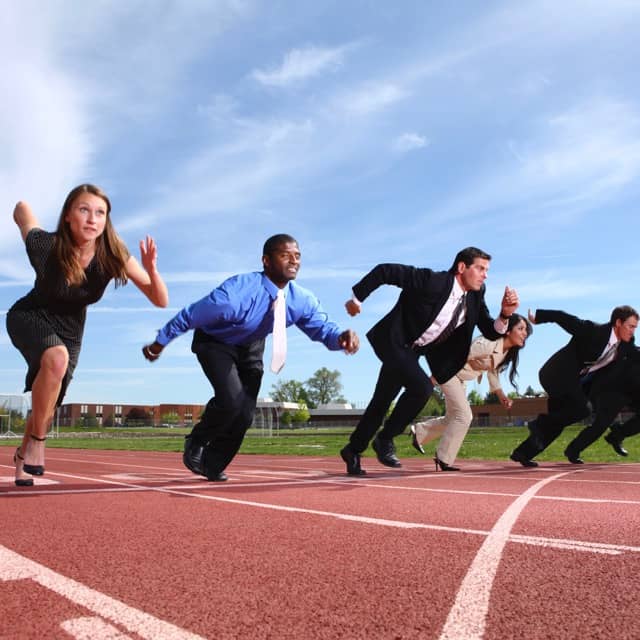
x=372, y=132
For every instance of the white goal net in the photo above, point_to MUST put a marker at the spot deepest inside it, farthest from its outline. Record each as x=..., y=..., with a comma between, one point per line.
x=14, y=409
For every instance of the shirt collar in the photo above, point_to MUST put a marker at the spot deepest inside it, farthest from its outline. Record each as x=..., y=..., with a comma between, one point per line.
x=272, y=289
x=457, y=292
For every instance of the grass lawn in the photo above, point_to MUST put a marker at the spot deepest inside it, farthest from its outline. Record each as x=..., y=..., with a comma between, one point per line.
x=484, y=443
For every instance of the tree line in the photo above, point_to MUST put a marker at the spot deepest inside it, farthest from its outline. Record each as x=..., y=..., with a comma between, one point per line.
x=325, y=387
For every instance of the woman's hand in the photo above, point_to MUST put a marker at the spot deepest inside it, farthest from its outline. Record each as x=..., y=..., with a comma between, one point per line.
x=149, y=255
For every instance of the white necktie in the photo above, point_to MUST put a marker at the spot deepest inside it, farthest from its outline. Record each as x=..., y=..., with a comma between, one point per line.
x=279, y=332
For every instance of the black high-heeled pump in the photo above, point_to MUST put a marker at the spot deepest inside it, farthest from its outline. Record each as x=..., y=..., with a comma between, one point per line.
x=444, y=466
x=34, y=469
x=21, y=482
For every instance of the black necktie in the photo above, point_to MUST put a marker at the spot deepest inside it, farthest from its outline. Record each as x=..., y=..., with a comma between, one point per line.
x=453, y=323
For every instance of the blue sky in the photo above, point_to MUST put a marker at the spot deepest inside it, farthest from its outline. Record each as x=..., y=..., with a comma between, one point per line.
x=372, y=132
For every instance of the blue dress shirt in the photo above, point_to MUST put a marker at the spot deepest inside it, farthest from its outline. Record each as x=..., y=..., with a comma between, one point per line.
x=240, y=311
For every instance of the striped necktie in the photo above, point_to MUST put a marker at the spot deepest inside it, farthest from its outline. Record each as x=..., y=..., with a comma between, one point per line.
x=453, y=323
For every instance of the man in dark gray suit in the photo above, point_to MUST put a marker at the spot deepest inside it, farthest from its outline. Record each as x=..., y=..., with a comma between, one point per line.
x=569, y=374
x=435, y=316
x=609, y=395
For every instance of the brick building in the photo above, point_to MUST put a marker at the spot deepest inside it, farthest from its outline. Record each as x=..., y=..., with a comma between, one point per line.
x=268, y=414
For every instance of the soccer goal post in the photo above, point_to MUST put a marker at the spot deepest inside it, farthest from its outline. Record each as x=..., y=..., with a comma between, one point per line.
x=14, y=410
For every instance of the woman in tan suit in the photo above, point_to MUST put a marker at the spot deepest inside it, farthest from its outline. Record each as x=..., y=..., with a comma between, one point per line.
x=492, y=356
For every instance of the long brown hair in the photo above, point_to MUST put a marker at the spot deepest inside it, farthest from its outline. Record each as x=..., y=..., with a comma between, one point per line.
x=110, y=252
x=514, y=352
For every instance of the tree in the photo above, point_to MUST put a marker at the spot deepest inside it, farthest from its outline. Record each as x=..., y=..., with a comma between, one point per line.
x=324, y=387
x=435, y=405
x=301, y=415
x=137, y=417
x=171, y=418
x=529, y=392
x=491, y=398
x=474, y=397
x=289, y=391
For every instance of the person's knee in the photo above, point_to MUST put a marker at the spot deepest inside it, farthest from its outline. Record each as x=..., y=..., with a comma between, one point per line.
x=247, y=413
x=464, y=415
x=422, y=389
x=54, y=362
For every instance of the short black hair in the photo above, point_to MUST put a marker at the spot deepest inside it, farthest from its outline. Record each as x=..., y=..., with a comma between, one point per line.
x=468, y=255
x=274, y=242
x=623, y=313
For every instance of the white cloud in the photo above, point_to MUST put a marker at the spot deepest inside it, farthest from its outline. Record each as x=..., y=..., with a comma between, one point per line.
x=565, y=165
x=408, y=142
x=372, y=97
x=300, y=64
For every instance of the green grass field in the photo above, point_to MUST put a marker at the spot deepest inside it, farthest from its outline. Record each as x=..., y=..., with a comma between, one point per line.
x=484, y=443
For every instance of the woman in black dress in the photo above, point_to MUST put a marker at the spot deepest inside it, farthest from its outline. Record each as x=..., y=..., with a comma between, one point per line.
x=73, y=267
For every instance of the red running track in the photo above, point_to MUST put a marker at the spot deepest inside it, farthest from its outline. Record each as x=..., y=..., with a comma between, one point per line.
x=131, y=545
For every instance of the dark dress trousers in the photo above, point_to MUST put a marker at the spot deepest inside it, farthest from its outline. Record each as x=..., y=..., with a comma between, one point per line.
x=424, y=293
x=568, y=400
x=617, y=388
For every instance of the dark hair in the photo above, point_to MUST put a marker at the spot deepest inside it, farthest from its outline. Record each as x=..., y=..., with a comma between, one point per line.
x=274, y=242
x=513, y=354
x=623, y=313
x=468, y=255
x=111, y=253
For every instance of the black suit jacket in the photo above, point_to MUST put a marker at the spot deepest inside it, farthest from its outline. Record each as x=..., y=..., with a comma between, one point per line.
x=560, y=374
x=424, y=293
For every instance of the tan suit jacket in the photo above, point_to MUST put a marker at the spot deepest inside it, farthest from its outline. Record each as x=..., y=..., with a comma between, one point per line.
x=484, y=355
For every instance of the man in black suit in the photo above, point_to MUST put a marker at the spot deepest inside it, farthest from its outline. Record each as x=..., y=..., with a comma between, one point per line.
x=568, y=375
x=435, y=316
x=611, y=393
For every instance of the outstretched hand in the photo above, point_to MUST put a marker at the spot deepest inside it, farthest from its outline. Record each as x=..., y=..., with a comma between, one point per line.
x=152, y=351
x=352, y=307
x=349, y=341
x=148, y=254
x=510, y=302
x=532, y=317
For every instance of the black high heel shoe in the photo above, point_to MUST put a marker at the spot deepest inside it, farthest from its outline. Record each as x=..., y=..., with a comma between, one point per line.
x=34, y=469
x=414, y=440
x=444, y=466
x=18, y=460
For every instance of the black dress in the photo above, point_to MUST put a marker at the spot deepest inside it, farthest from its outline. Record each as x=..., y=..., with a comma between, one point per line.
x=52, y=313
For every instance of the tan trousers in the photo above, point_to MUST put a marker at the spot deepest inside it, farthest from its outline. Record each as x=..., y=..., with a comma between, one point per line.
x=453, y=426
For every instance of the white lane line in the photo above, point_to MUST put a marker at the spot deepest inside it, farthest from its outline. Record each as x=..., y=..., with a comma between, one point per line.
x=468, y=615
x=39, y=480
x=92, y=629
x=16, y=567
x=576, y=545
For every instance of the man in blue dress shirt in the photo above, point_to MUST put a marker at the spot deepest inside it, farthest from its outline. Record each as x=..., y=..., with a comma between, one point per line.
x=230, y=326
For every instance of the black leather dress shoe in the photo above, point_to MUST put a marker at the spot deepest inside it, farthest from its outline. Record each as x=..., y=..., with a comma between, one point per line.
x=573, y=458
x=414, y=440
x=385, y=452
x=219, y=476
x=523, y=460
x=353, y=461
x=193, y=456
x=616, y=443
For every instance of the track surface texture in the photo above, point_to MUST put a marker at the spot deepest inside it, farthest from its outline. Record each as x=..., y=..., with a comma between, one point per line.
x=115, y=545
